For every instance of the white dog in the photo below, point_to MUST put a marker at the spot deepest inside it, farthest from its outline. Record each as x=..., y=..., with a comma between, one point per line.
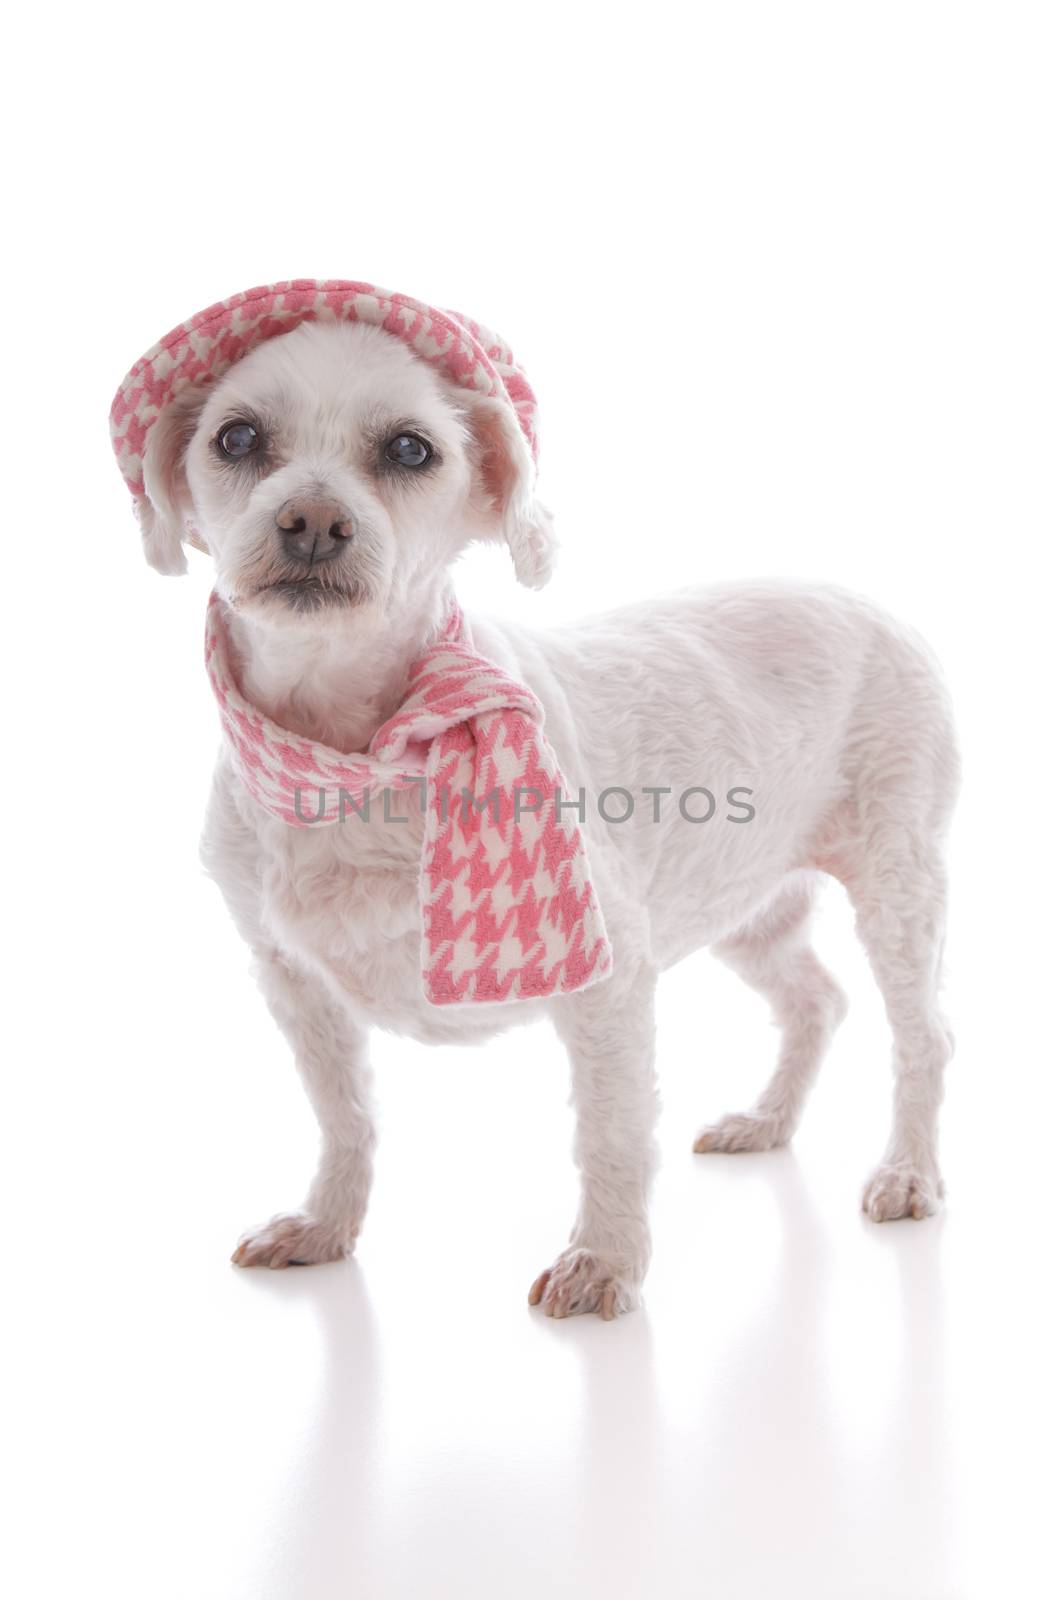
x=334, y=476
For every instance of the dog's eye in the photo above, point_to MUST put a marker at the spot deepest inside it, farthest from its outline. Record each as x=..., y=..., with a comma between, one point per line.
x=238, y=439
x=407, y=450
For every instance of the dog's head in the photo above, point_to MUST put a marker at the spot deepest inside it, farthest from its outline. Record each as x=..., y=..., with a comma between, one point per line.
x=332, y=468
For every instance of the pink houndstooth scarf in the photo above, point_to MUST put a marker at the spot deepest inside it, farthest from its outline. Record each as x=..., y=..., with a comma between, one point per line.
x=508, y=907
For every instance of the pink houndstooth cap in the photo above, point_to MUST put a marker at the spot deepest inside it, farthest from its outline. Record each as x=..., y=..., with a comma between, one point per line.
x=204, y=347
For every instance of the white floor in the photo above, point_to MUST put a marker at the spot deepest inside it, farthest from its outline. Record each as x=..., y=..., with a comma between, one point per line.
x=808, y=1404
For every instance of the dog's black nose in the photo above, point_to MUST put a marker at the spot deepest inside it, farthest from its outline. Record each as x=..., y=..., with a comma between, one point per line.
x=313, y=529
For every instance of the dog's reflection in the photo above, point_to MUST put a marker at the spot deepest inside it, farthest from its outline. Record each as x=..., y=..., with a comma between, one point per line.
x=761, y=1470
x=328, y=1543
x=807, y=1453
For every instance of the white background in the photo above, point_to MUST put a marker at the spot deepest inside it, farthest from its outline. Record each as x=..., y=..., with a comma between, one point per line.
x=775, y=273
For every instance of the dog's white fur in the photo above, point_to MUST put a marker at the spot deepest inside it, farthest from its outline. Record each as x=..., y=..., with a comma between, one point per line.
x=832, y=713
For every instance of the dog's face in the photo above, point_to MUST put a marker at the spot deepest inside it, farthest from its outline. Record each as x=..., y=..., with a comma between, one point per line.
x=331, y=471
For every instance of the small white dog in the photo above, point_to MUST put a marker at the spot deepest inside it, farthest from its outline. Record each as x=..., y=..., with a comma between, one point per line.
x=334, y=476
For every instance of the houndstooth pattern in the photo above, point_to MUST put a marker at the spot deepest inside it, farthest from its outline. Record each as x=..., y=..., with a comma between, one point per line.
x=204, y=347
x=508, y=906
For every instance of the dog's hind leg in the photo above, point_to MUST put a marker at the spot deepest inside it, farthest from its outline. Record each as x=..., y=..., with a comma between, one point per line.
x=772, y=953
x=331, y=1053
x=900, y=900
x=888, y=852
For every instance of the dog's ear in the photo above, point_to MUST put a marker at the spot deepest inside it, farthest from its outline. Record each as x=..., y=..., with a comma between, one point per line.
x=164, y=510
x=507, y=478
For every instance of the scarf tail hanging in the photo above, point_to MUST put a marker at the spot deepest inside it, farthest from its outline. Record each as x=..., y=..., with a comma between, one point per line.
x=509, y=910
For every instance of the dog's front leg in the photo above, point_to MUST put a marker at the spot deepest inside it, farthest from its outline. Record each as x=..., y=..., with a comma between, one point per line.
x=610, y=1034
x=332, y=1058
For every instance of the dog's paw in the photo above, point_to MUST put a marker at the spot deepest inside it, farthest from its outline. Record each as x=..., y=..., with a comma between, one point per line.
x=292, y=1240
x=579, y=1281
x=893, y=1192
x=742, y=1131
